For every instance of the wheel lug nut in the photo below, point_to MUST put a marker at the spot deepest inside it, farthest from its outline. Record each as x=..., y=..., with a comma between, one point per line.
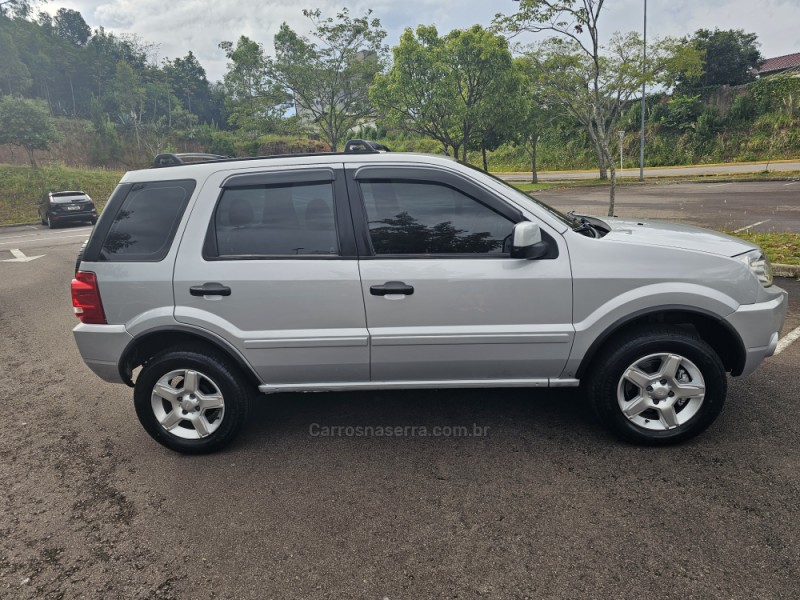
x=663, y=382
x=671, y=394
x=649, y=388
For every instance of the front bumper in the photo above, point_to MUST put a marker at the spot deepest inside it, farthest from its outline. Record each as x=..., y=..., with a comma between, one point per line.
x=759, y=325
x=101, y=347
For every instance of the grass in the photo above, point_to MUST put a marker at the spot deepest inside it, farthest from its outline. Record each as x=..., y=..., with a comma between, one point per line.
x=783, y=248
x=22, y=187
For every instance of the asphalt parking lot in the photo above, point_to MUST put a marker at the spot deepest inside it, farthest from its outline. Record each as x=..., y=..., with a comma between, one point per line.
x=725, y=206
x=541, y=503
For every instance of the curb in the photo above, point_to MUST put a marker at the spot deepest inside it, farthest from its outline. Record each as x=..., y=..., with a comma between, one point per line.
x=19, y=224
x=780, y=270
x=666, y=167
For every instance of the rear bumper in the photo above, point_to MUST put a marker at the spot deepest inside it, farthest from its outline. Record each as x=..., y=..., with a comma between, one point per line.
x=83, y=215
x=759, y=325
x=101, y=347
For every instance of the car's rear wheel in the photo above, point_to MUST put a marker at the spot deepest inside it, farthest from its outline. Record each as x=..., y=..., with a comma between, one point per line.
x=190, y=402
x=50, y=223
x=658, y=386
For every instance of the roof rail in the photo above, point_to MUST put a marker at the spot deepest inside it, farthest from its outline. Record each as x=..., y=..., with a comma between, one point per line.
x=350, y=147
x=170, y=160
x=356, y=146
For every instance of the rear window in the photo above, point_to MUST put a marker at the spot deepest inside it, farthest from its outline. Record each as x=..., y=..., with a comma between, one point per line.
x=144, y=226
x=66, y=197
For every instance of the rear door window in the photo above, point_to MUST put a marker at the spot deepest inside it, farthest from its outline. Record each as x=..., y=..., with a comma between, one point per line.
x=145, y=223
x=294, y=219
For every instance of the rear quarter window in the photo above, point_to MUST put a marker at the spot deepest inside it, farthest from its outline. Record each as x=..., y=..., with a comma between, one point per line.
x=144, y=223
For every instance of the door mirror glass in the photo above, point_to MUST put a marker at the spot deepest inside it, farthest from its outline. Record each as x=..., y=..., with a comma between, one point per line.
x=527, y=241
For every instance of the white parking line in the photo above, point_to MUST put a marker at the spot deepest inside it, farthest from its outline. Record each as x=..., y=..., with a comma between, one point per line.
x=741, y=229
x=44, y=239
x=720, y=184
x=787, y=340
x=791, y=183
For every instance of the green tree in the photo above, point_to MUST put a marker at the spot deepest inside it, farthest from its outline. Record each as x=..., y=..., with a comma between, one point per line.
x=69, y=24
x=26, y=123
x=729, y=57
x=187, y=79
x=537, y=114
x=18, y=8
x=14, y=75
x=448, y=87
x=591, y=82
x=329, y=73
x=253, y=101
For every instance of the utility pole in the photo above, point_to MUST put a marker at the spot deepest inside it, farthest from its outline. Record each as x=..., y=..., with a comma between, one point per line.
x=644, y=66
x=621, y=135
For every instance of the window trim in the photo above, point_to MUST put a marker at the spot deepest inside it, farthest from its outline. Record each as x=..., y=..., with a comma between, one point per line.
x=435, y=176
x=343, y=222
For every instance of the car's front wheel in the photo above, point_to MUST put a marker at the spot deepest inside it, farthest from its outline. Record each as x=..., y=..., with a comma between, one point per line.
x=191, y=402
x=658, y=386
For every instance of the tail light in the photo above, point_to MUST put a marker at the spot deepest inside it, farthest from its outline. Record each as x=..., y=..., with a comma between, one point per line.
x=86, y=298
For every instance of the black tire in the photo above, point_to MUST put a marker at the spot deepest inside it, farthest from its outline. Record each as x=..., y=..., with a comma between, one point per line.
x=609, y=390
x=43, y=220
x=214, y=370
x=49, y=223
x=93, y=220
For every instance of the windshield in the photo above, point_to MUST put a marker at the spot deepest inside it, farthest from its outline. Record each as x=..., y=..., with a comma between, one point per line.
x=523, y=197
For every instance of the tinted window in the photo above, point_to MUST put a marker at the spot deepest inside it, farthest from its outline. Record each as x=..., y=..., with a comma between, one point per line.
x=145, y=224
x=276, y=220
x=408, y=217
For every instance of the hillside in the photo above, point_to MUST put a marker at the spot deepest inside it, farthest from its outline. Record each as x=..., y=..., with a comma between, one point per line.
x=21, y=187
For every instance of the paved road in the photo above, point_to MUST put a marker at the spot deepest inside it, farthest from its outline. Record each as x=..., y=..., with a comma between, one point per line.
x=649, y=172
x=545, y=505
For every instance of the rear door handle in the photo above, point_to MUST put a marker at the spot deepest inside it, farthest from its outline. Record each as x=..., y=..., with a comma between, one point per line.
x=210, y=289
x=391, y=287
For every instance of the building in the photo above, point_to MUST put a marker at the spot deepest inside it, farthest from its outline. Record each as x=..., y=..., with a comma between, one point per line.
x=789, y=63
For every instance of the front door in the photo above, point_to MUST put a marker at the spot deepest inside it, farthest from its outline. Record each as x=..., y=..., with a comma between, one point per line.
x=444, y=299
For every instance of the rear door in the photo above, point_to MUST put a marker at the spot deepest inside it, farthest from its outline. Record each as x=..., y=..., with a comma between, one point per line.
x=444, y=299
x=268, y=262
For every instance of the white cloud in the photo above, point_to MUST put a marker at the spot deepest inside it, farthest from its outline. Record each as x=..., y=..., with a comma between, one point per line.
x=199, y=25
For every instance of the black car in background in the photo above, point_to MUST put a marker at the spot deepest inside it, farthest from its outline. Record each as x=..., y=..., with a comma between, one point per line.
x=60, y=207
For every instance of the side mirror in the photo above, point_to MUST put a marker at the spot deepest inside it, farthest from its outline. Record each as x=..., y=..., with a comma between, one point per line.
x=527, y=241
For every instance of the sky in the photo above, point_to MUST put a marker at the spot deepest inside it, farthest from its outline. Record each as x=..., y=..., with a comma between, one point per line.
x=199, y=25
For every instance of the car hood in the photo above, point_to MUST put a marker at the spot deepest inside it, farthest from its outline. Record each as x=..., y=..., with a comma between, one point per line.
x=671, y=235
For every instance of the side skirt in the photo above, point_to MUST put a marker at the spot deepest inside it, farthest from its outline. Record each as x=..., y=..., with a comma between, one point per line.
x=416, y=385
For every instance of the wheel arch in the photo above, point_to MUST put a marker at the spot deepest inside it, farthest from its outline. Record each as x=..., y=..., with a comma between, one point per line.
x=711, y=328
x=146, y=345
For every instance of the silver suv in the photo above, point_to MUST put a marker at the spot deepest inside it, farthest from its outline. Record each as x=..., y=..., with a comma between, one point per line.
x=203, y=283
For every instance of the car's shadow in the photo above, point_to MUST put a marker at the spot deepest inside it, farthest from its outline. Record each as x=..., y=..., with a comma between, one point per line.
x=473, y=413
x=67, y=225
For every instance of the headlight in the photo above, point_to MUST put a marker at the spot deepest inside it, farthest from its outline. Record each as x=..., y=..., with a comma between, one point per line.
x=760, y=266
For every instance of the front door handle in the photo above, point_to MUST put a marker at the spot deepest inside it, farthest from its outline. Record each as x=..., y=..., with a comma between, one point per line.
x=391, y=287
x=210, y=289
